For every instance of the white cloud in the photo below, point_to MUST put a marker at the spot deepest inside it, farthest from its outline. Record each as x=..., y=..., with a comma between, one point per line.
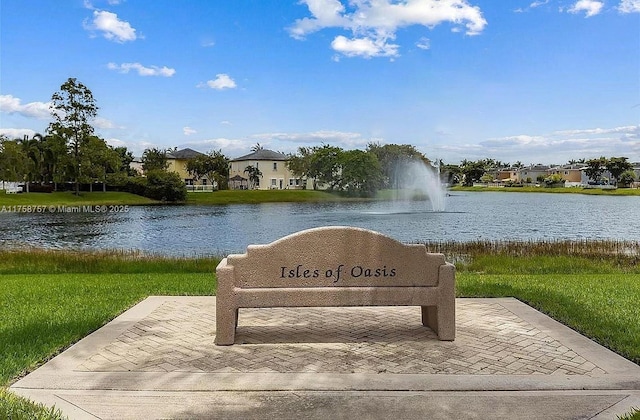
x=111, y=27
x=599, y=131
x=557, y=147
x=116, y=142
x=364, y=47
x=424, y=43
x=12, y=105
x=163, y=71
x=230, y=147
x=590, y=7
x=629, y=6
x=105, y=124
x=335, y=138
x=17, y=133
x=373, y=22
x=538, y=4
x=221, y=82
x=188, y=131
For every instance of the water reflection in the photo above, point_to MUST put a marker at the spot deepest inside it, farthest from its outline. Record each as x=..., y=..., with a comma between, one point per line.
x=189, y=230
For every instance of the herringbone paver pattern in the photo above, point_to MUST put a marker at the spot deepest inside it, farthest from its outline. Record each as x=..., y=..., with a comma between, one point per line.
x=490, y=340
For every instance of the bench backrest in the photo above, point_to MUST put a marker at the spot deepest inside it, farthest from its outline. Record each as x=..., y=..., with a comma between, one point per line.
x=335, y=257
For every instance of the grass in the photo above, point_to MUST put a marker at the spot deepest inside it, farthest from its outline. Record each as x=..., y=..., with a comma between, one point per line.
x=263, y=196
x=593, y=287
x=13, y=407
x=7, y=201
x=557, y=190
x=46, y=261
x=68, y=198
x=634, y=414
x=250, y=196
x=54, y=298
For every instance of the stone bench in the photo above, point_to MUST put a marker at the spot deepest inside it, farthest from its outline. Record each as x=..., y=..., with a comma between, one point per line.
x=336, y=266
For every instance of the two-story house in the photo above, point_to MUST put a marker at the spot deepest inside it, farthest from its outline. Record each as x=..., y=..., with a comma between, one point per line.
x=573, y=175
x=530, y=174
x=262, y=169
x=177, y=162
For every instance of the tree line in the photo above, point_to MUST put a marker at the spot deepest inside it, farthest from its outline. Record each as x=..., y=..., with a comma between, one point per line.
x=470, y=172
x=70, y=153
x=353, y=172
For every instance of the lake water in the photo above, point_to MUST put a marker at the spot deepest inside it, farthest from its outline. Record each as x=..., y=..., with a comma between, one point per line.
x=203, y=230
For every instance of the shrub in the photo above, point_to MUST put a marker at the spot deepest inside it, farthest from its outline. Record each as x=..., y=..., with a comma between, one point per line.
x=165, y=186
x=554, y=180
x=136, y=185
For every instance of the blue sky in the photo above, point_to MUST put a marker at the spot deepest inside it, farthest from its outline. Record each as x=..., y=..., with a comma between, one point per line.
x=537, y=82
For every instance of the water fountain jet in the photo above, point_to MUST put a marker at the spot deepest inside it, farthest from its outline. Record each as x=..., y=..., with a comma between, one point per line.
x=416, y=178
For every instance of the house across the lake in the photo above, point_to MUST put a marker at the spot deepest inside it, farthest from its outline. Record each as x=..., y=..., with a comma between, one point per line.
x=177, y=161
x=263, y=169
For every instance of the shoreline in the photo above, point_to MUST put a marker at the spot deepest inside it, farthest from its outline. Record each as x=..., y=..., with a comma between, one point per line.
x=39, y=202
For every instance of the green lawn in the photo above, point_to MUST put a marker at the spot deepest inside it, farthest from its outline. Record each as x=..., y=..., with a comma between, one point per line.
x=9, y=201
x=557, y=190
x=198, y=198
x=67, y=198
x=263, y=196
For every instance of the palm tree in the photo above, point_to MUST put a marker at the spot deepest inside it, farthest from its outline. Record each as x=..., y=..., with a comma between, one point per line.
x=34, y=149
x=254, y=175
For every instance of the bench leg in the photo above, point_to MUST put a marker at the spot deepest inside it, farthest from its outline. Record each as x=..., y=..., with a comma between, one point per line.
x=226, y=323
x=441, y=319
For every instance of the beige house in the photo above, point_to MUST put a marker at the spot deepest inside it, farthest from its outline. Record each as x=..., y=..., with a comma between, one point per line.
x=272, y=171
x=177, y=162
x=531, y=173
x=573, y=175
x=507, y=175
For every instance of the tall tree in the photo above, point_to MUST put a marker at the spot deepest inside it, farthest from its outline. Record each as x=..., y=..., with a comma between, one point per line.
x=254, y=175
x=361, y=173
x=126, y=157
x=325, y=164
x=34, y=150
x=13, y=160
x=72, y=109
x=99, y=160
x=450, y=173
x=616, y=166
x=214, y=166
x=154, y=159
x=595, y=168
x=627, y=178
x=391, y=156
x=472, y=171
x=300, y=164
x=57, y=160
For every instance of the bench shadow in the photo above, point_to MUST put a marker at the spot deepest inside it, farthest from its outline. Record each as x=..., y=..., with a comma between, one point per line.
x=333, y=333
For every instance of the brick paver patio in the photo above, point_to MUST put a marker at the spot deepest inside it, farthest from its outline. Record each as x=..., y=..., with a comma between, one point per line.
x=178, y=337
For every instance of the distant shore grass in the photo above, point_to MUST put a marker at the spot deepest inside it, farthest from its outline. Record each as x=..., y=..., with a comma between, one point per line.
x=68, y=198
x=50, y=261
x=193, y=198
x=264, y=196
x=558, y=190
x=224, y=197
